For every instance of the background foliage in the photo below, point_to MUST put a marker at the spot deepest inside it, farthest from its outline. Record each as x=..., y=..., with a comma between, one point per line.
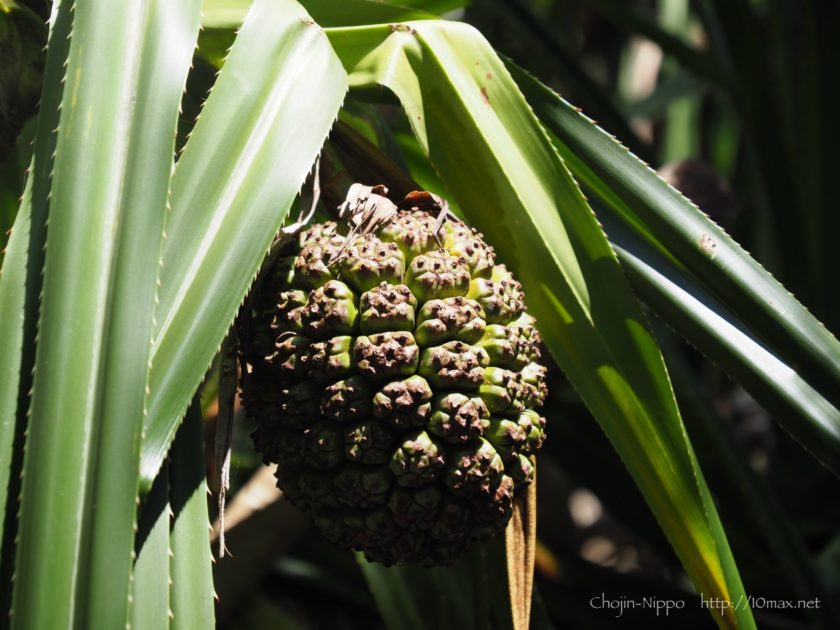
x=142, y=225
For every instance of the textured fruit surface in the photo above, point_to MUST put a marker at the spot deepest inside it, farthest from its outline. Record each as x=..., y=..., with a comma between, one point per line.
x=396, y=388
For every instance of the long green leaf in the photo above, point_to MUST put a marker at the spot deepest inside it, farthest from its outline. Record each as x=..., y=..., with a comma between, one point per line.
x=230, y=13
x=714, y=330
x=257, y=137
x=190, y=566
x=224, y=13
x=150, y=605
x=766, y=533
x=683, y=234
x=108, y=196
x=361, y=12
x=511, y=184
x=173, y=580
x=15, y=312
x=20, y=288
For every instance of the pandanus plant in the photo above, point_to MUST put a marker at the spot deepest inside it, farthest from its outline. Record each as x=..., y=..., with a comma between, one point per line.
x=144, y=224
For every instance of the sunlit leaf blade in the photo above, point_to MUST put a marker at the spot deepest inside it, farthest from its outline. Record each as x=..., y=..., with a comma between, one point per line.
x=107, y=200
x=713, y=329
x=20, y=285
x=683, y=234
x=224, y=13
x=172, y=585
x=361, y=12
x=765, y=531
x=511, y=185
x=257, y=137
x=150, y=580
x=13, y=315
x=190, y=566
x=230, y=13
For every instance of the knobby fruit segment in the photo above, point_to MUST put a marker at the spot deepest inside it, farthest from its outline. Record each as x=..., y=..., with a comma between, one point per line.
x=396, y=387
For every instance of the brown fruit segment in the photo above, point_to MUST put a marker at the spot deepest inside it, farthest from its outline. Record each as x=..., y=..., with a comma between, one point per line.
x=396, y=387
